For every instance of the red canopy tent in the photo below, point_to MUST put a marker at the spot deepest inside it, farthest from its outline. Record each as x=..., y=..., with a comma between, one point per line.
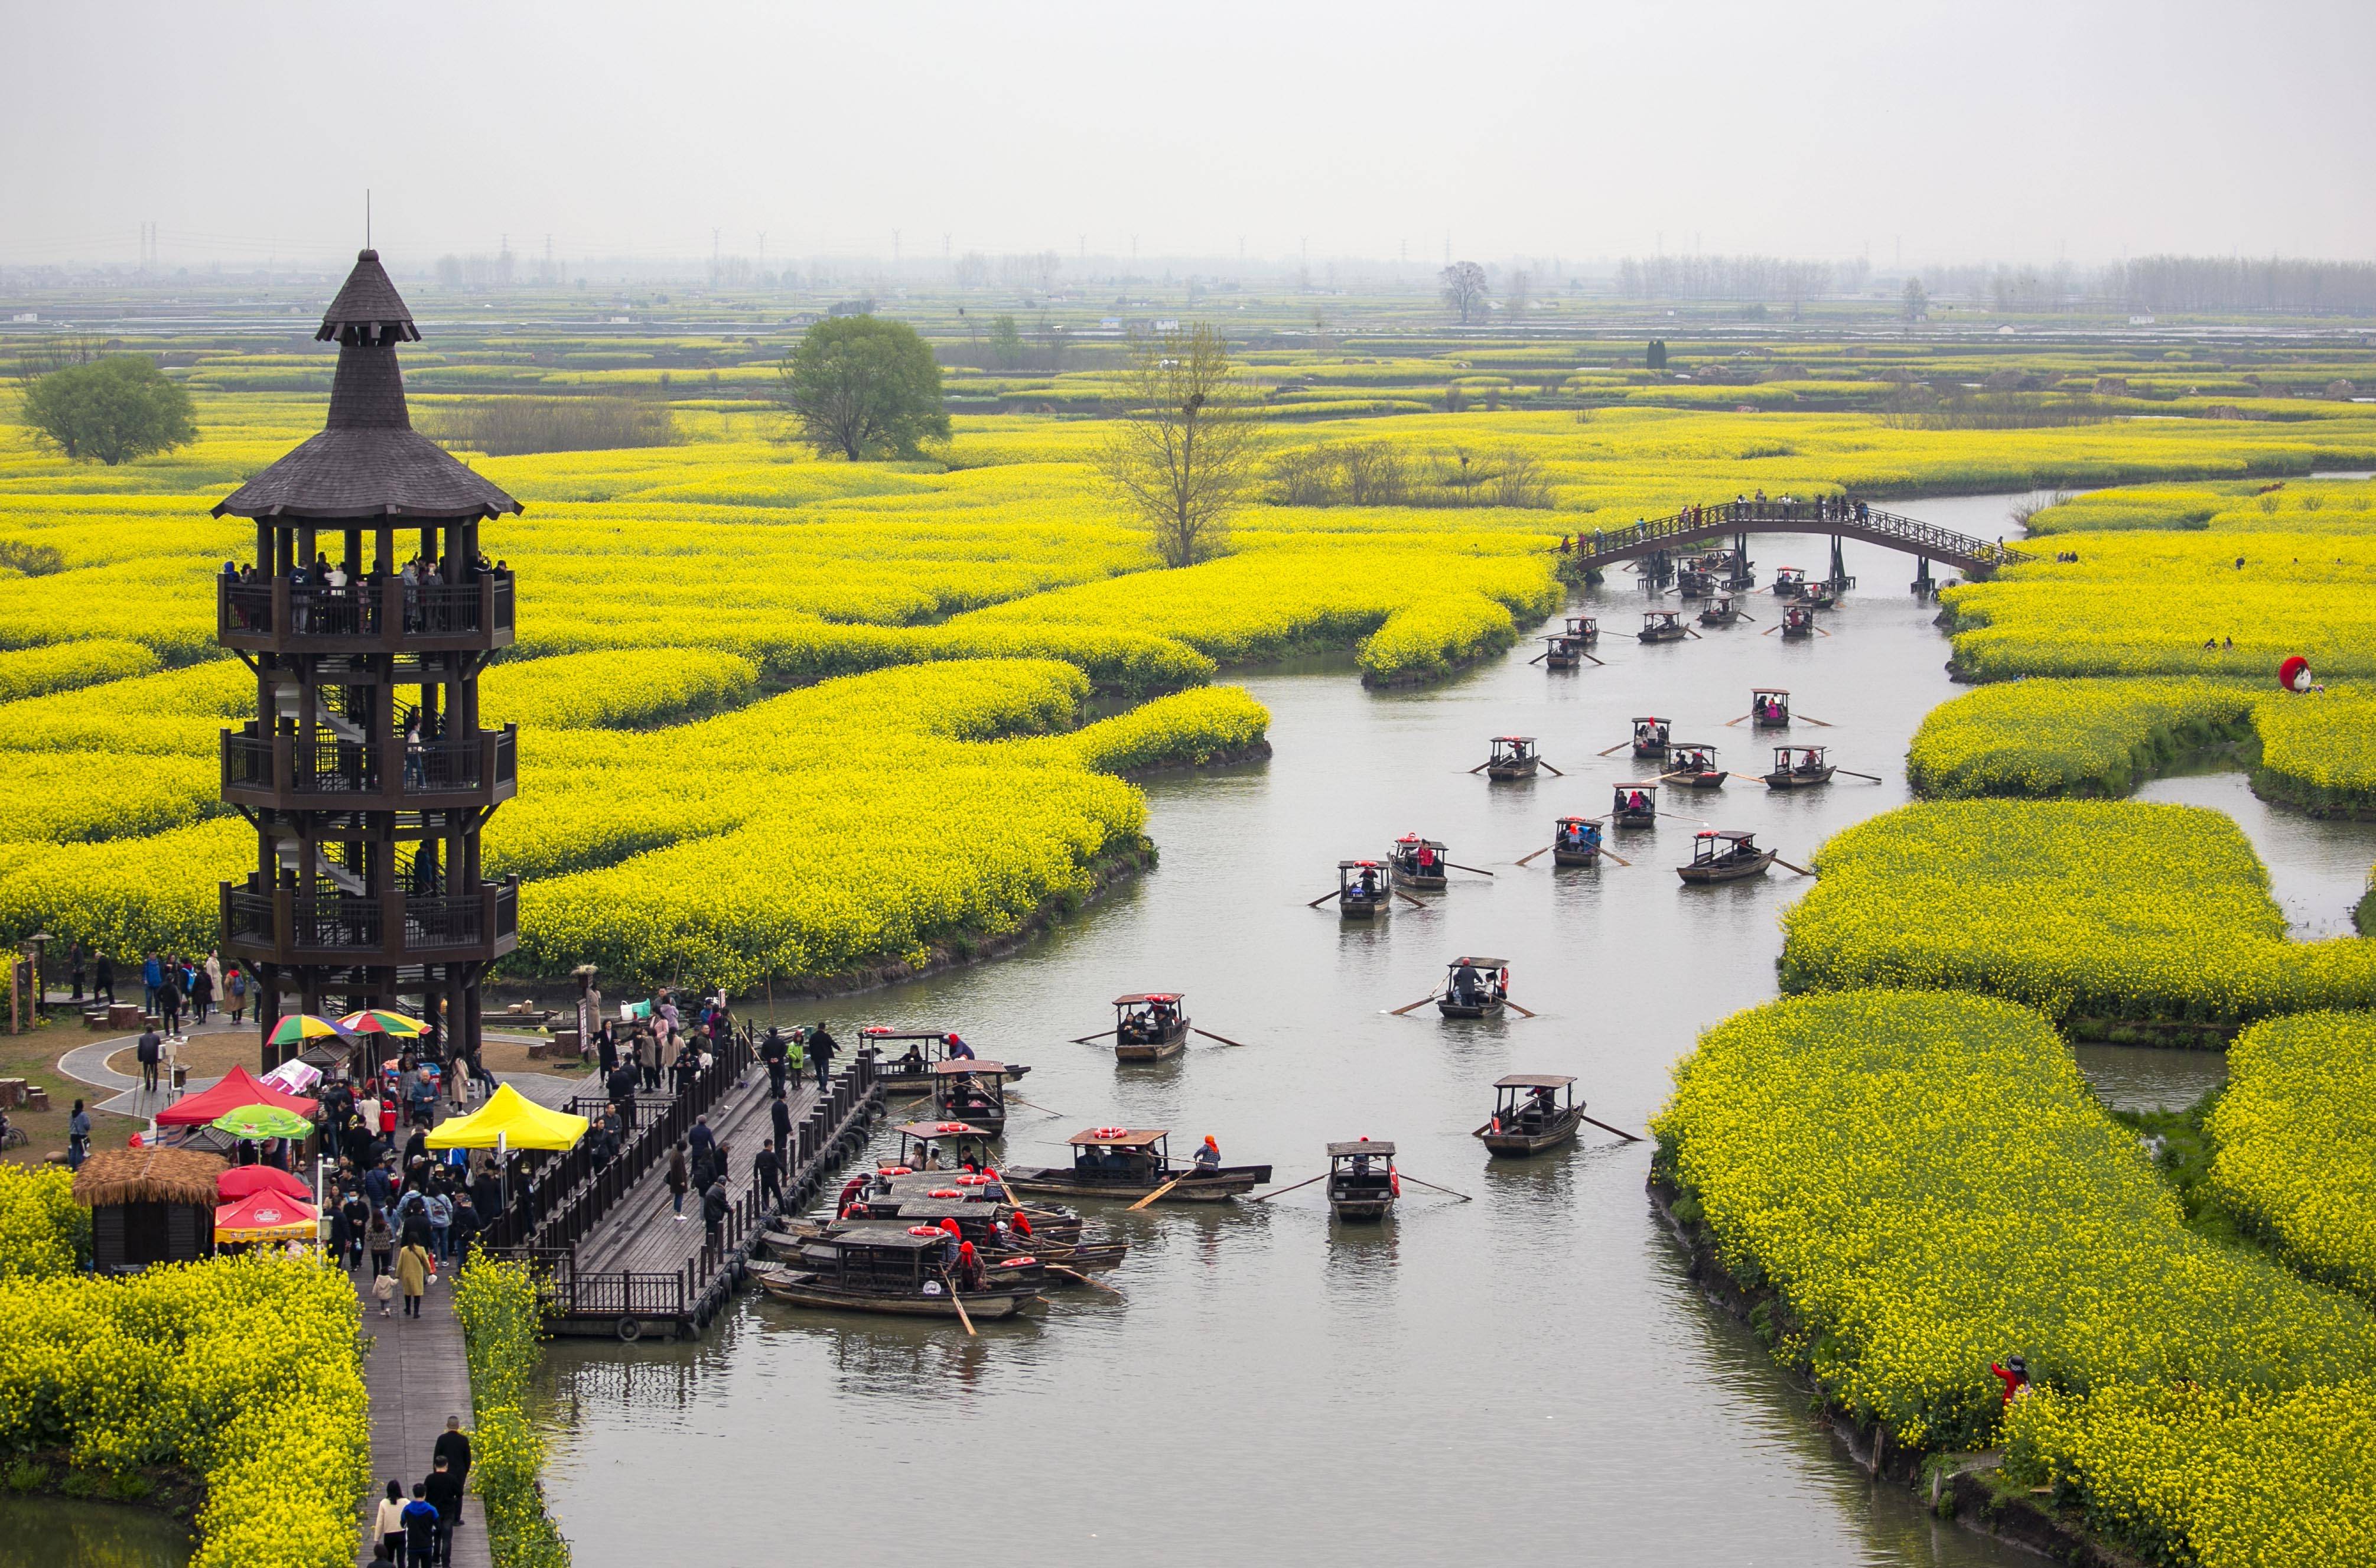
x=246, y=1181
x=239, y=1088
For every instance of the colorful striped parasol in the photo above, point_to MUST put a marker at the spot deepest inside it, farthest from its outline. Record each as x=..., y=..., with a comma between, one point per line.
x=376, y=1021
x=299, y=1028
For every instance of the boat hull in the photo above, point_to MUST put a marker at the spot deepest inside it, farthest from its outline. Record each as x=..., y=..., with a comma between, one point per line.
x=1450, y=1009
x=1634, y=819
x=1420, y=881
x=1510, y=770
x=899, y=1083
x=1152, y=1050
x=1664, y=635
x=807, y=1290
x=1794, y=779
x=1521, y=1144
x=1781, y=723
x=1737, y=871
x=1698, y=781
x=1231, y=1181
x=1362, y=908
x=1575, y=857
x=1361, y=1209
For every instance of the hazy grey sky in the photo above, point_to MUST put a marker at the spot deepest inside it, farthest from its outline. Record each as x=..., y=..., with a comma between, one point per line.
x=1815, y=128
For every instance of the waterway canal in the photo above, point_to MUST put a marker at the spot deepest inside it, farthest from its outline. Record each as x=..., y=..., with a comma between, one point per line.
x=1530, y=1371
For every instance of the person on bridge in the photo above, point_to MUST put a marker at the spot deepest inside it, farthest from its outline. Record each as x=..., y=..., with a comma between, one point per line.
x=767, y=1170
x=701, y=1138
x=779, y=1116
x=713, y=1210
x=821, y=1048
x=678, y=1179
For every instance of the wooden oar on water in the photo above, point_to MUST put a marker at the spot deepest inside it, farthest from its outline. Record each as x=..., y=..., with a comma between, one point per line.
x=1802, y=871
x=1275, y=1191
x=1076, y=1273
x=1854, y=774
x=1409, y=899
x=1102, y=1033
x=1464, y=1197
x=1605, y=1127
x=1811, y=718
x=1515, y=1008
x=1157, y=1193
x=964, y=1316
x=1546, y=768
x=1398, y=1012
x=1544, y=850
x=1223, y=1039
x=1479, y=870
x=1618, y=747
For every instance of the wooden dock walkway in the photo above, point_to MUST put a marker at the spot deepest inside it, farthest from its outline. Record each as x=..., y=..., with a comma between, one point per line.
x=417, y=1375
x=614, y=1256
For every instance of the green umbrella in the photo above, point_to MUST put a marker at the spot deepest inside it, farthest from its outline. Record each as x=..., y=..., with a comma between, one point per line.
x=253, y=1122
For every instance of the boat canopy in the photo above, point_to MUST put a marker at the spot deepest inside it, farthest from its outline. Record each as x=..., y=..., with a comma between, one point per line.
x=1359, y=865
x=964, y=1066
x=1137, y=998
x=925, y=1131
x=888, y=1239
x=1534, y=1081
x=1480, y=963
x=1360, y=1145
x=1769, y=691
x=1729, y=835
x=1578, y=820
x=1120, y=1137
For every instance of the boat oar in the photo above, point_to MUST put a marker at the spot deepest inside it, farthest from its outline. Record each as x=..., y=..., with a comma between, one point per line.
x=1314, y=905
x=1076, y=1273
x=1102, y=1033
x=1769, y=630
x=1398, y=1012
x=1605, y=1127
x=1745, y=615
x=1544, y=850
x=1813, y=719
x=1602, y=662
x=1802, y=871
x=1479, y=870
x=1464, y=1197
x=1618, y=747
x=1482, y=765
x=1546, y=768
x=1409, y=899
x=1033, y=1104
x=1854, y=774
x=964, y=1316
x=1275, y=1191
x=1540, y=657
x=1615, y=856
x=1730, y=722
x=1688, y=633
x=1680, y=817
x=1157, y=1193
x=1515, y=1008
x=1223, y=1039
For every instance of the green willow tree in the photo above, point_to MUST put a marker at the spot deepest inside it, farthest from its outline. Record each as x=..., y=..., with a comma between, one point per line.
x=108, y=410
x=863, y=388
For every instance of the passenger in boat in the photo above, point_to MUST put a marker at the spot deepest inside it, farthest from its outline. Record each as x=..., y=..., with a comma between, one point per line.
x=1426, y=860
x=1369, y=883
x=958, y=1049
x=969, y=1270
x=951, y=1242
x=1208, y=1156
x=1466, y=985
x=1361, y=1167
x=1544, y=1105
x=912, y=1063
x=1807, y=763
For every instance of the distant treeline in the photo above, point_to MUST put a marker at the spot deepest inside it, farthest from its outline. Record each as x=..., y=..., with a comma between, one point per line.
x=1759, y=277
x=2237, y=283
x=503, y=427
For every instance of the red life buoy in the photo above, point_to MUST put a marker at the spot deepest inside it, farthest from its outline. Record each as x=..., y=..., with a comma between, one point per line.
x=950, y=1127
x=1110, y=1133
x=900, y=1171
x=1395, y=1180
x=944, y=1193
x=1019, y=1262
x=923, y=1230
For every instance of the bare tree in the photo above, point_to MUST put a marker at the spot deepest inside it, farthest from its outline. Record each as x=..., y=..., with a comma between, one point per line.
x=1464, y=288
x=1182, y=454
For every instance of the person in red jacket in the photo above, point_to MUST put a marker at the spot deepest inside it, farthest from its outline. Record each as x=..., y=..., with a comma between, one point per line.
x=2013, y=1374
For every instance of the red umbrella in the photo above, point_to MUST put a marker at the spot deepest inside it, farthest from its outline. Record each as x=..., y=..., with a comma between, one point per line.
x=264, y=1217
x=246, y=1181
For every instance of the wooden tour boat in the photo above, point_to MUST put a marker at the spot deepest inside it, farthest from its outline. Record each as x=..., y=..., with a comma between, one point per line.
x=1650, y=736
x=1691, y=766
x=1418, y=864
x=1362, y=890
x=1724, y=854
x=1562, y=650
x=1149, y=1027
x=1663, y=626
x=1584, y=629
x=1788, y=582
x=1723, y=613
x=1800, y=767
x=1769, y=708
x=1529, y=1114
x=887, y=1270
x=972, y=1092
x=976, y=1222
x=1693, y=582
x=1797, y=622
x=1133, y=1162
x=1475, y=988
x=953, y=1145
x=1820, y=594
x=1362, y=1184
x=1576, y=841
x=1514, y=757
x=910, y=1073
x=1636, y=804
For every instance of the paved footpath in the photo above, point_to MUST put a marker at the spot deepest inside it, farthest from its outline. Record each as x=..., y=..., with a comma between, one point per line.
x=418, y=1377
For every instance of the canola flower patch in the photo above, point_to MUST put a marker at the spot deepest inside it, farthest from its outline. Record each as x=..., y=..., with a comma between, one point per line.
x=2295, y=1153
x=245, y=1369
x=2145, y=603
x=501, y=1315
x=1928, y=1185
x=2295, y=505
x=2076, y=736
x=44, y=1233
x=57, y=667
x=2318, y=751
x=2103, y=915
x=616, y=689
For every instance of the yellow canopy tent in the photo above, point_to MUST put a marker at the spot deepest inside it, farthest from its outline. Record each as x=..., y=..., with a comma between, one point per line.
x=514, y=1121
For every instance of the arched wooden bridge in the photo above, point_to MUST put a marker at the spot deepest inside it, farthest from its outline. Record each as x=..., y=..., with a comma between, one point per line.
x=1839, y=516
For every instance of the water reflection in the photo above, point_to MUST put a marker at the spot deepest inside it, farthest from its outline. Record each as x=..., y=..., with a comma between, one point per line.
x=48, y=1532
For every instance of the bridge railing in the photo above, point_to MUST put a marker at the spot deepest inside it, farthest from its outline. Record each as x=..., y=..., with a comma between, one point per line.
x=1748, y=516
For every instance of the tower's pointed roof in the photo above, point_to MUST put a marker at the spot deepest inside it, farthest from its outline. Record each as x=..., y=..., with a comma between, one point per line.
x=368, y=461
x=368, y=308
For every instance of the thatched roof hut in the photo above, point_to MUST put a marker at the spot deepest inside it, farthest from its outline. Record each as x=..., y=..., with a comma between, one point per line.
x=148, y=1175
x=149, y=1206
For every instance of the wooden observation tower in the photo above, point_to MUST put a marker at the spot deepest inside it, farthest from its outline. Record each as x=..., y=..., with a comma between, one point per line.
x=368, y=616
